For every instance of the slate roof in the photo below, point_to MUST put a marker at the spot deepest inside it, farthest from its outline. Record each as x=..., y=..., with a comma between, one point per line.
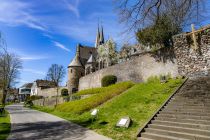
x=27, y=85
x=75, y=62
x=91, y=59
x=84, y=54
x=45, y=83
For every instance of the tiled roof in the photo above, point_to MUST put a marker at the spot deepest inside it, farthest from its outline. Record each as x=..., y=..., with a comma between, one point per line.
x=91, y=59
x=45, y=83
x=27, y=85
x=84, y=54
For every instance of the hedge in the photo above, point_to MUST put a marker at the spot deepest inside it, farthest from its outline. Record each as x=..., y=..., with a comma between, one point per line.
x=108, y=80
x=64, y=92
x=80, y=106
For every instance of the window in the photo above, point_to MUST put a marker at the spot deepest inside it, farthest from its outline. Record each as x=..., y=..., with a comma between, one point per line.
x=71, y=70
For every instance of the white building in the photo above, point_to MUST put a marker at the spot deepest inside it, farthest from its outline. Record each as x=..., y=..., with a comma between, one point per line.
x=25, y=91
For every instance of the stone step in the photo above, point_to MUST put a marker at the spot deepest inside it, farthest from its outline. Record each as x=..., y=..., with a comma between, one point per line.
x=184, y=116
x=187, y=107
x=193, y=96
x=184, y=99
x=186, y=110
x=181, y=124
x=185, y=113
x=181, y=129
x=142, y=138
x=159, y=137
x=177, y=134
x=183, y=120
x=190, y=103
x=191, y=100
x=204, y=91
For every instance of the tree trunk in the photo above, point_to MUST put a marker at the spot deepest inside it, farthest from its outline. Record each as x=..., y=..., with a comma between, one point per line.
x=4, y=96
x=56, y=102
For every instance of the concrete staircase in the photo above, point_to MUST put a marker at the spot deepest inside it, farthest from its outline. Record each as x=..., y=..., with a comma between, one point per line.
x=185, y=117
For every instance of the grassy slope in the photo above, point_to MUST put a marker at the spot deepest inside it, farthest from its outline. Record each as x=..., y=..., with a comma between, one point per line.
x=80, y=106
x=4, y=127
x=99, y=90
x=139, y=102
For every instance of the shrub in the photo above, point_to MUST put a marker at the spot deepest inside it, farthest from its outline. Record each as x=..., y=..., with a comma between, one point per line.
x=80, y=106
x=108, y=80
x=28, y=103
x=75, y=97
x=64, y=92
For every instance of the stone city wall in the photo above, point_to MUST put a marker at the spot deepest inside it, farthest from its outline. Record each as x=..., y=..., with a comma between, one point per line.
x=193, y=62
x=48, y=101
x=50, y=92
x=137, y=69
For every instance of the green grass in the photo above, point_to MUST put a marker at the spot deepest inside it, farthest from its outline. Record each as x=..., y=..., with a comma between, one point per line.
x=97, y=90
x=80, y=106
x=4, y=126
x=138, y=102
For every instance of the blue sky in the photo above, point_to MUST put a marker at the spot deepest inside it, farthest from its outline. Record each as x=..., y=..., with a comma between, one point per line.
x=43, y=32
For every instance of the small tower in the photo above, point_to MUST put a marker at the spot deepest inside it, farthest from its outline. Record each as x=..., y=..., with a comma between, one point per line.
x=75, y=72
x=102, y=36
x=97, y=43
x=99, y=37
x=90, y=66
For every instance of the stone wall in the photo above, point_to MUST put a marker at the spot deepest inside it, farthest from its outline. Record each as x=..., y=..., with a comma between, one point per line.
x=48, y=101
x=50, y=92
x=193, y=62
x=137, y=70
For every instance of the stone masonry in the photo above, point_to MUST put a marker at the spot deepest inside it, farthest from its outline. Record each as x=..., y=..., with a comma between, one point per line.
x=190, y=61
x=138, y=69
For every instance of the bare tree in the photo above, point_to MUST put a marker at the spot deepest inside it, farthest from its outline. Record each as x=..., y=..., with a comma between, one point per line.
x=56, y=74
x=10, y=66
x=140, y=13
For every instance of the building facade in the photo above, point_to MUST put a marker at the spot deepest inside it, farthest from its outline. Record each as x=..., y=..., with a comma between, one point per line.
x=86, y=61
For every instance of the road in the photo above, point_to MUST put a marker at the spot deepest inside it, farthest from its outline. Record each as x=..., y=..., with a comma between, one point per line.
x=28, y=124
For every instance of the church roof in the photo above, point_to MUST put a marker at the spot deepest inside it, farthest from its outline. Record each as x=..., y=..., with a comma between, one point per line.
x=76, y=61
x=102, y=35
x=91, y=59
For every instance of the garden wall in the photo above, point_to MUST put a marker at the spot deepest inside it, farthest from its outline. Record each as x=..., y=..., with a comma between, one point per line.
x=50, y=92
x=137, y=69
x=193, y=62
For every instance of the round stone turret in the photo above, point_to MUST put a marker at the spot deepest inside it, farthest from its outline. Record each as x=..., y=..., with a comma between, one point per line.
x=75, y=72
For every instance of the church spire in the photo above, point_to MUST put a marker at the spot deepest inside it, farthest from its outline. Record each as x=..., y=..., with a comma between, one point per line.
x=97, y=43
x=102, y=35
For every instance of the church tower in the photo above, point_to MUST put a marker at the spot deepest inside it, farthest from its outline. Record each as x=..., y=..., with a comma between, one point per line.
x=102, y=36
x=99, y=37
x=97, y=43
x=75, y=72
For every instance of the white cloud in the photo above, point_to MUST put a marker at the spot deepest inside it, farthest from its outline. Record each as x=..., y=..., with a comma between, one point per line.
x=59, y=45
x=28, y=58
x=73, y=7
x=30, y=14
x=16, y=13
x=33, y=71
